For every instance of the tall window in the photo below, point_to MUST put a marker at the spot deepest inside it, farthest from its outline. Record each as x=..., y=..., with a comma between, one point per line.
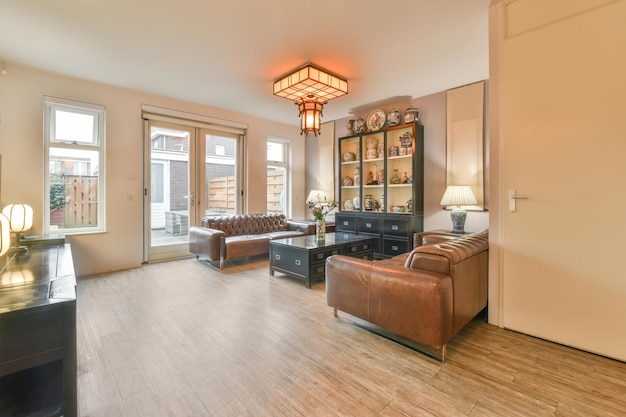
x=278, y=175
x=74, y=172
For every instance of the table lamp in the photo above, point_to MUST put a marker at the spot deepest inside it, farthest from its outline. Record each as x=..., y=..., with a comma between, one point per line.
x=5, y=234
x=457, y=196
x=316, y=196
x=20, y=220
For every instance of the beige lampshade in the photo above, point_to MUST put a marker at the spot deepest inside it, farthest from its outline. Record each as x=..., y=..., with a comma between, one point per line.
x=5, y=234
x=316, y=196
x=310, y=81
x=20, y=217
x=458, y=195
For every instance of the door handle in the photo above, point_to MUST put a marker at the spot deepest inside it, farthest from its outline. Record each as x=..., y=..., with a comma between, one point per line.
x=513, y=197
x=190, y=198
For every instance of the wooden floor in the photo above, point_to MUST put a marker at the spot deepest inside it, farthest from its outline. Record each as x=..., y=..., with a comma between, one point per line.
x=183, y=339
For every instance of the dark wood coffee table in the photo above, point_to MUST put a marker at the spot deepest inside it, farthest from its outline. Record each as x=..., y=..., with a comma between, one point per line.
x=304, y=257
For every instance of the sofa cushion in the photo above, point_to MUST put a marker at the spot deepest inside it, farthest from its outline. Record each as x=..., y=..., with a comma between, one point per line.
x=283, y=234
x=246, y=245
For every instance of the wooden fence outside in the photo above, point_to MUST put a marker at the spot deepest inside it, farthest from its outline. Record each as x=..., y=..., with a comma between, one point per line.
x=222, y=192
x=81, y=209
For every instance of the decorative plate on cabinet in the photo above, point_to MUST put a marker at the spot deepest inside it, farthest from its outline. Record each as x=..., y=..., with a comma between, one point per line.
x=376, y=120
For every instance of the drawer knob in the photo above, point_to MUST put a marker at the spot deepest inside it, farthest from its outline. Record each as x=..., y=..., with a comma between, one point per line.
x=345, y=222
x=277, y=257
x=394, y=227
x=298, y=262
x=369, y=225
x=394, y=247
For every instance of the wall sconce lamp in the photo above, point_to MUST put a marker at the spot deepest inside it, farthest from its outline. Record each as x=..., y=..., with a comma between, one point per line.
x=310, y=88
x=20, y=220
x=457, y=196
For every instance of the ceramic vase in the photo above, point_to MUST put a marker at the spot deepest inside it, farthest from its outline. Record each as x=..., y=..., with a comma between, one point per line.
x=350, y=127
x=320, y=229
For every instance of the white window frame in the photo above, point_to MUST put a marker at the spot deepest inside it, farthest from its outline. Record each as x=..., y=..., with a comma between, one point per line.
x=286, y=165
x=52, y=104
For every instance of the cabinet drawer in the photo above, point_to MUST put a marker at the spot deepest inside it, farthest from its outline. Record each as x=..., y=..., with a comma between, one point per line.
x=369, y=225
x=363, y=255
x=318, y=271
x=396, y=227
x=345, y=223
x=354, y=248
x=321, y=255
x=290, y=259
x=393, y=247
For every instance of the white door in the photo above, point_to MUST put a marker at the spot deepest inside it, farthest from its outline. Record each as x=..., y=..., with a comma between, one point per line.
x=562, y=140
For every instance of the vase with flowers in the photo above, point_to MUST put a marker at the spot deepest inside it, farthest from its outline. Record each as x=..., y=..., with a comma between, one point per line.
x=319, y=210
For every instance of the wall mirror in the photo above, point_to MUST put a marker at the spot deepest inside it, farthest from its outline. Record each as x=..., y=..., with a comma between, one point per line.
x=465, y=139
x=326, y=158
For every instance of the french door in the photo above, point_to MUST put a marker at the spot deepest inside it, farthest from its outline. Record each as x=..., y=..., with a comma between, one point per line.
x=190, y=171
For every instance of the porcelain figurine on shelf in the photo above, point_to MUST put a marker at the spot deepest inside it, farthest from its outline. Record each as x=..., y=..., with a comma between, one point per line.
x=412, y=114
x=372, y=152
x=359, y=125
x=395, y=179
x=350, y=127
x=393, y=118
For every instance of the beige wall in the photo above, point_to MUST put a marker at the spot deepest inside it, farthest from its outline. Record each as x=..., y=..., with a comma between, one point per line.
x=120, y=247
x=433, y=117
x=557, y=113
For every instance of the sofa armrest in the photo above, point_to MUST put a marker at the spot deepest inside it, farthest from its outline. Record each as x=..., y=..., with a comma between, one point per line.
x=304, y=227
x=347, y=284
x=206, y=242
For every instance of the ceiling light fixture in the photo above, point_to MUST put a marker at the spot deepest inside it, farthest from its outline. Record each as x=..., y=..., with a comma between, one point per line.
x=310, y=88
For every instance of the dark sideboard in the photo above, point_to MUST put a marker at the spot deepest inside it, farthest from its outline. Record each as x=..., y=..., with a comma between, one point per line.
x=38, y=366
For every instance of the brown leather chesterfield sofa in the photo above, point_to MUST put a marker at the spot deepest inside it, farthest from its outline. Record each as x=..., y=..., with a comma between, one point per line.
x=421, y=299
x=219, y=238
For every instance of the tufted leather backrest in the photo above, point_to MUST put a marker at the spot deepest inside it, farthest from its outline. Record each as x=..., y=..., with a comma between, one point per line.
x=246, y=224
x=439, y=257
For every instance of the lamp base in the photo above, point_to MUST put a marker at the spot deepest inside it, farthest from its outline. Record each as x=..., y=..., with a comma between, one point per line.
x=458, y=216
x=17, y=250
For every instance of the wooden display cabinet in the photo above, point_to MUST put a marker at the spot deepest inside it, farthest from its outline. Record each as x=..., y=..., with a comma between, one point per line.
x=381, y=192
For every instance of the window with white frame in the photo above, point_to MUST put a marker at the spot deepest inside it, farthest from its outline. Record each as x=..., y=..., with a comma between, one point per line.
x=278, y=175
x=74, y=144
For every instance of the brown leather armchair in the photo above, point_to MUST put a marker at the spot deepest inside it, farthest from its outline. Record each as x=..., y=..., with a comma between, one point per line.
x=425, y=296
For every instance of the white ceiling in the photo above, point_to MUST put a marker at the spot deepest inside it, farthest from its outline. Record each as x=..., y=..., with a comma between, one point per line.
x=226, y=54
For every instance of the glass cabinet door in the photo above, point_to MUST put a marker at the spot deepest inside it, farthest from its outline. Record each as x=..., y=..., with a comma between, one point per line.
x=374, y=174
x=350, y=174
x=400, y=153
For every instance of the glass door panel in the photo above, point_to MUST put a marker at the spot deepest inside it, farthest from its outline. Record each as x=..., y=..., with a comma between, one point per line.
x=171, y=183
x=221, y=173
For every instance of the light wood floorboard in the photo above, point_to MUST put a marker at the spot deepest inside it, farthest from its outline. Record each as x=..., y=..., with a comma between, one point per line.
x=183, y=339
